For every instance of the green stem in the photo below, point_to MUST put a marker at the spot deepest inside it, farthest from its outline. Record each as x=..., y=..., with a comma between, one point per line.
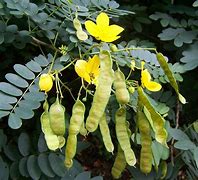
x=71, y=63
x=52, y=64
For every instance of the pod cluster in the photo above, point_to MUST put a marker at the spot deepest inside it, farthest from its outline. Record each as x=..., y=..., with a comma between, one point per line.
x=53, y=124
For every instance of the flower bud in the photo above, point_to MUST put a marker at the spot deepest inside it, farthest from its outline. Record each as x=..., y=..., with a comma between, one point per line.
x=45, y=82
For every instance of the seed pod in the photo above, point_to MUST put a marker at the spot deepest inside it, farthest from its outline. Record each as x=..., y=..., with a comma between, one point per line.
x=77, y=117
x=46, y=82
x=119, y=164
x=57, y=118
x=146, y=141
x=104, y=129
x=77, y=24
x=83, y=131
x=158, y=121
x=61, y=140
x=122, y=136
x=52, y=141
x=103, y=91
x=169, y=74
x=81, y=35
x=121, y=92
x=70, y=150
x=50, y=138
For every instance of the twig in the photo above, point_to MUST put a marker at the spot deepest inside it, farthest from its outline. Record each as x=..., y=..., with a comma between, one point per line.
x=39, y=42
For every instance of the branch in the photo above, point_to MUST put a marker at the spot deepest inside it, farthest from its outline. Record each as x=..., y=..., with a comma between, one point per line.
x=38, y=42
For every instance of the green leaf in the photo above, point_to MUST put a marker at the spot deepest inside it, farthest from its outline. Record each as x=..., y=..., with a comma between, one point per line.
x=14, y=170
x=57, y=164
x=64, y=58
x=44, y=165
x=184, y=144
x=12, y=152
x=42, y=147
x=30, y=104
x=97, y=178
x=23, y=167
x=16, y=80
x=41, y=60
x=195, y=154
x=113, y=5
x=34, y=66
x=3, y=113
x=4, y=170
x=24, y=144
x=24, y=71
x=137, y=26
x=190, y=57
x=3, y=139
x=195, y=126
x=195, y=4
x=4, y=106
x=33, y=168
x=10, y=89
x=14, y=121
x=177, y=134
x=83, y=175
x=7, y=98
x=34, y=96
x=23, y=112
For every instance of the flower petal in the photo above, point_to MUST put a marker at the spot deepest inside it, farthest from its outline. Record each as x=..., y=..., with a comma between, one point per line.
x=107, y=38
x=102, y=20
x=145, y=77
x=114, y=30
x=92, y=28
x=153, y=86
x=81, y=70
x=93, y=64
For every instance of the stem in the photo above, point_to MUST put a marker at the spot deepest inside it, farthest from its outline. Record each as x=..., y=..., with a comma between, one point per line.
x=52, y=64
x=67, y=88
x=67, y=65
x=59, y=87
x=39, y=42
x=129, y=74
x=176, y=127
x=128, y=49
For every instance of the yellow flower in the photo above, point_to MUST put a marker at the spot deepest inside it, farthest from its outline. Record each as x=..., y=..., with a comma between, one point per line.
x=88, y=70
x=46, y=82
x=146, y=80
x=101, y=30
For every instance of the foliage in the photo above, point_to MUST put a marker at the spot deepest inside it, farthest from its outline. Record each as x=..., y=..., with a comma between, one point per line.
x=54, y=37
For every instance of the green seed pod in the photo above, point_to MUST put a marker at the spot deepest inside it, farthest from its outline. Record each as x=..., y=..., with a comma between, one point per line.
x=158, y=121
x=77, y=117
x=61, y=140
x=77, y=24
x=52, y=141
x=83, y=131
x=119, y=164
x=121, y=92
x=103, y=91
x=146, y=141
x=81, y=35
x=70, y=150
x=169, y=74
x=57, y=118
x=50, y=138
x=122, y=136
x=104, y=129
